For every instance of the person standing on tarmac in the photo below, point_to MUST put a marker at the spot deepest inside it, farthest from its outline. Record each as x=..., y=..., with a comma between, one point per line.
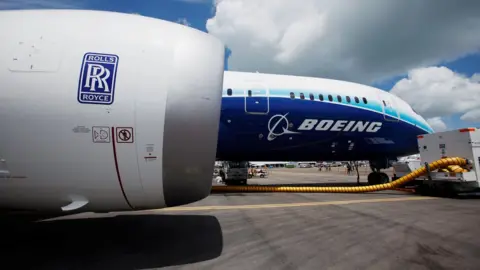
x=349, y=169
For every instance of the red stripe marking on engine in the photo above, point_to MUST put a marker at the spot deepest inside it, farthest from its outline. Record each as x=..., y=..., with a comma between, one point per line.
x=116, y=166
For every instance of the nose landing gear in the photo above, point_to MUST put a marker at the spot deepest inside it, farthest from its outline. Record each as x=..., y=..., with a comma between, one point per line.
x=376, y=176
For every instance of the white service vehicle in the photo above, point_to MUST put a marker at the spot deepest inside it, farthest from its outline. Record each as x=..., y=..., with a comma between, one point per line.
x=233, y=172
x=464, y=143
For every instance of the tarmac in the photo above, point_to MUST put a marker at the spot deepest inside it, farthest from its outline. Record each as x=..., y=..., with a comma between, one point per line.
x=382, y=230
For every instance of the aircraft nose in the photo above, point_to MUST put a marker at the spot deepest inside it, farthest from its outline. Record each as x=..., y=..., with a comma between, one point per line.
x=192, y=119
x=426, y=125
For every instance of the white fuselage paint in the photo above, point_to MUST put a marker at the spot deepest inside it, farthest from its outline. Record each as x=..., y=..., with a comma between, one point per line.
x=246, y=80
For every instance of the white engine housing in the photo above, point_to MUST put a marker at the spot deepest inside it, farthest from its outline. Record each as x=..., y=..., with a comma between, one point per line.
x=165, y=88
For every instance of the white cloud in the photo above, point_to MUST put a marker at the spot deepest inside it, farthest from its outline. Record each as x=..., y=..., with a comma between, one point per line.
x=183, y=21
x=437, y=124
x=440, y=92
x=471, y=116
x=362, y=41
x=476, y=78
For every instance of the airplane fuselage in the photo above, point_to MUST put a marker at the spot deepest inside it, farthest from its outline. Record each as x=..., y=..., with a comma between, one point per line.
x=278, y=117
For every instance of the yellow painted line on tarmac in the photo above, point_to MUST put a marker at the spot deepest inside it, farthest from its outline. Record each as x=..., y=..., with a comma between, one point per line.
x=285, y=205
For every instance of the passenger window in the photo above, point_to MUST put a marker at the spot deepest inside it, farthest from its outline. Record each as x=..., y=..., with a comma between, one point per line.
x=229, y=91
x=292, y=95
x=364, y=100
x=348, y=99
x=330, y=98
x=249, y=93
x=320, y=96
x=311, y=96
x=302, y=96
x=357, y=100
x=339, y=98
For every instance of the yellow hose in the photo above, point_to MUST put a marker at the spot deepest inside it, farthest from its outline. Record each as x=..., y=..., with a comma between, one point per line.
x=456, y=168
x=441, y=163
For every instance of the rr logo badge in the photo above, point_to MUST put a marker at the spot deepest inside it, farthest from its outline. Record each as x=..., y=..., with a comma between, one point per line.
x=97, y=79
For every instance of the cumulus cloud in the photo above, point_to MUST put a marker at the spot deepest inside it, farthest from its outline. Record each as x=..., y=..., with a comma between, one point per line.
x=363, y=41
x=437, y=124
x=471, y=116
x=439, y=92
x=183, y=21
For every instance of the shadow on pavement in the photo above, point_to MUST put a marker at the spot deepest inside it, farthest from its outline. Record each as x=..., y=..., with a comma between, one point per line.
x=121, y=242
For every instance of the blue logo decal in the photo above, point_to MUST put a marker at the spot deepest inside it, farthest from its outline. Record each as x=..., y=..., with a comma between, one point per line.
x=97, y=79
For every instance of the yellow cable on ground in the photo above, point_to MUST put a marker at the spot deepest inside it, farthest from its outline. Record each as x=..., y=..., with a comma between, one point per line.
x=441, y=163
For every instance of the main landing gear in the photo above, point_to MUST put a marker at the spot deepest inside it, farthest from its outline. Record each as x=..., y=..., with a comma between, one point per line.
x=376, y=176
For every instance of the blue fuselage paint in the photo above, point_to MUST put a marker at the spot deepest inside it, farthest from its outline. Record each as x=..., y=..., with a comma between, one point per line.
x=247, y=122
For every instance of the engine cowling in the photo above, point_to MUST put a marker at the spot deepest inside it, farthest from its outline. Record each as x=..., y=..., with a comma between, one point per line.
x=104, y=111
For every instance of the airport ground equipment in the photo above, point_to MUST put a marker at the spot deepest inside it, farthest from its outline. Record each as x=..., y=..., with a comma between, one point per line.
x=434, y=173
x=233, y=172
x=452, y=179
x=438, y=164
x=258, y=172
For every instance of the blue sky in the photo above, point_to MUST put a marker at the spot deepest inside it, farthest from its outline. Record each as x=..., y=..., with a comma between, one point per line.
x=197, y=12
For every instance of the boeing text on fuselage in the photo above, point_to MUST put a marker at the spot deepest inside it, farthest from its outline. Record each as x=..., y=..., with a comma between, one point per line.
x=340, y=125
x=279, y=125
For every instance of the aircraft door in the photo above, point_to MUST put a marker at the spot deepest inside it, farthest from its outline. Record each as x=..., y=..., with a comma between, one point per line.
x=390, y=113
x=257, y=99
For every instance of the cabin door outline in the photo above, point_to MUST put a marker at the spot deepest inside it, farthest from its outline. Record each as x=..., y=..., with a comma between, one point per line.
x=257, y=99
x=389, y=108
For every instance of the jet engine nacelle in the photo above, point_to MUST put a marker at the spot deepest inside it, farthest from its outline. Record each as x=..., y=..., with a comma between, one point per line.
x=103, y=111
